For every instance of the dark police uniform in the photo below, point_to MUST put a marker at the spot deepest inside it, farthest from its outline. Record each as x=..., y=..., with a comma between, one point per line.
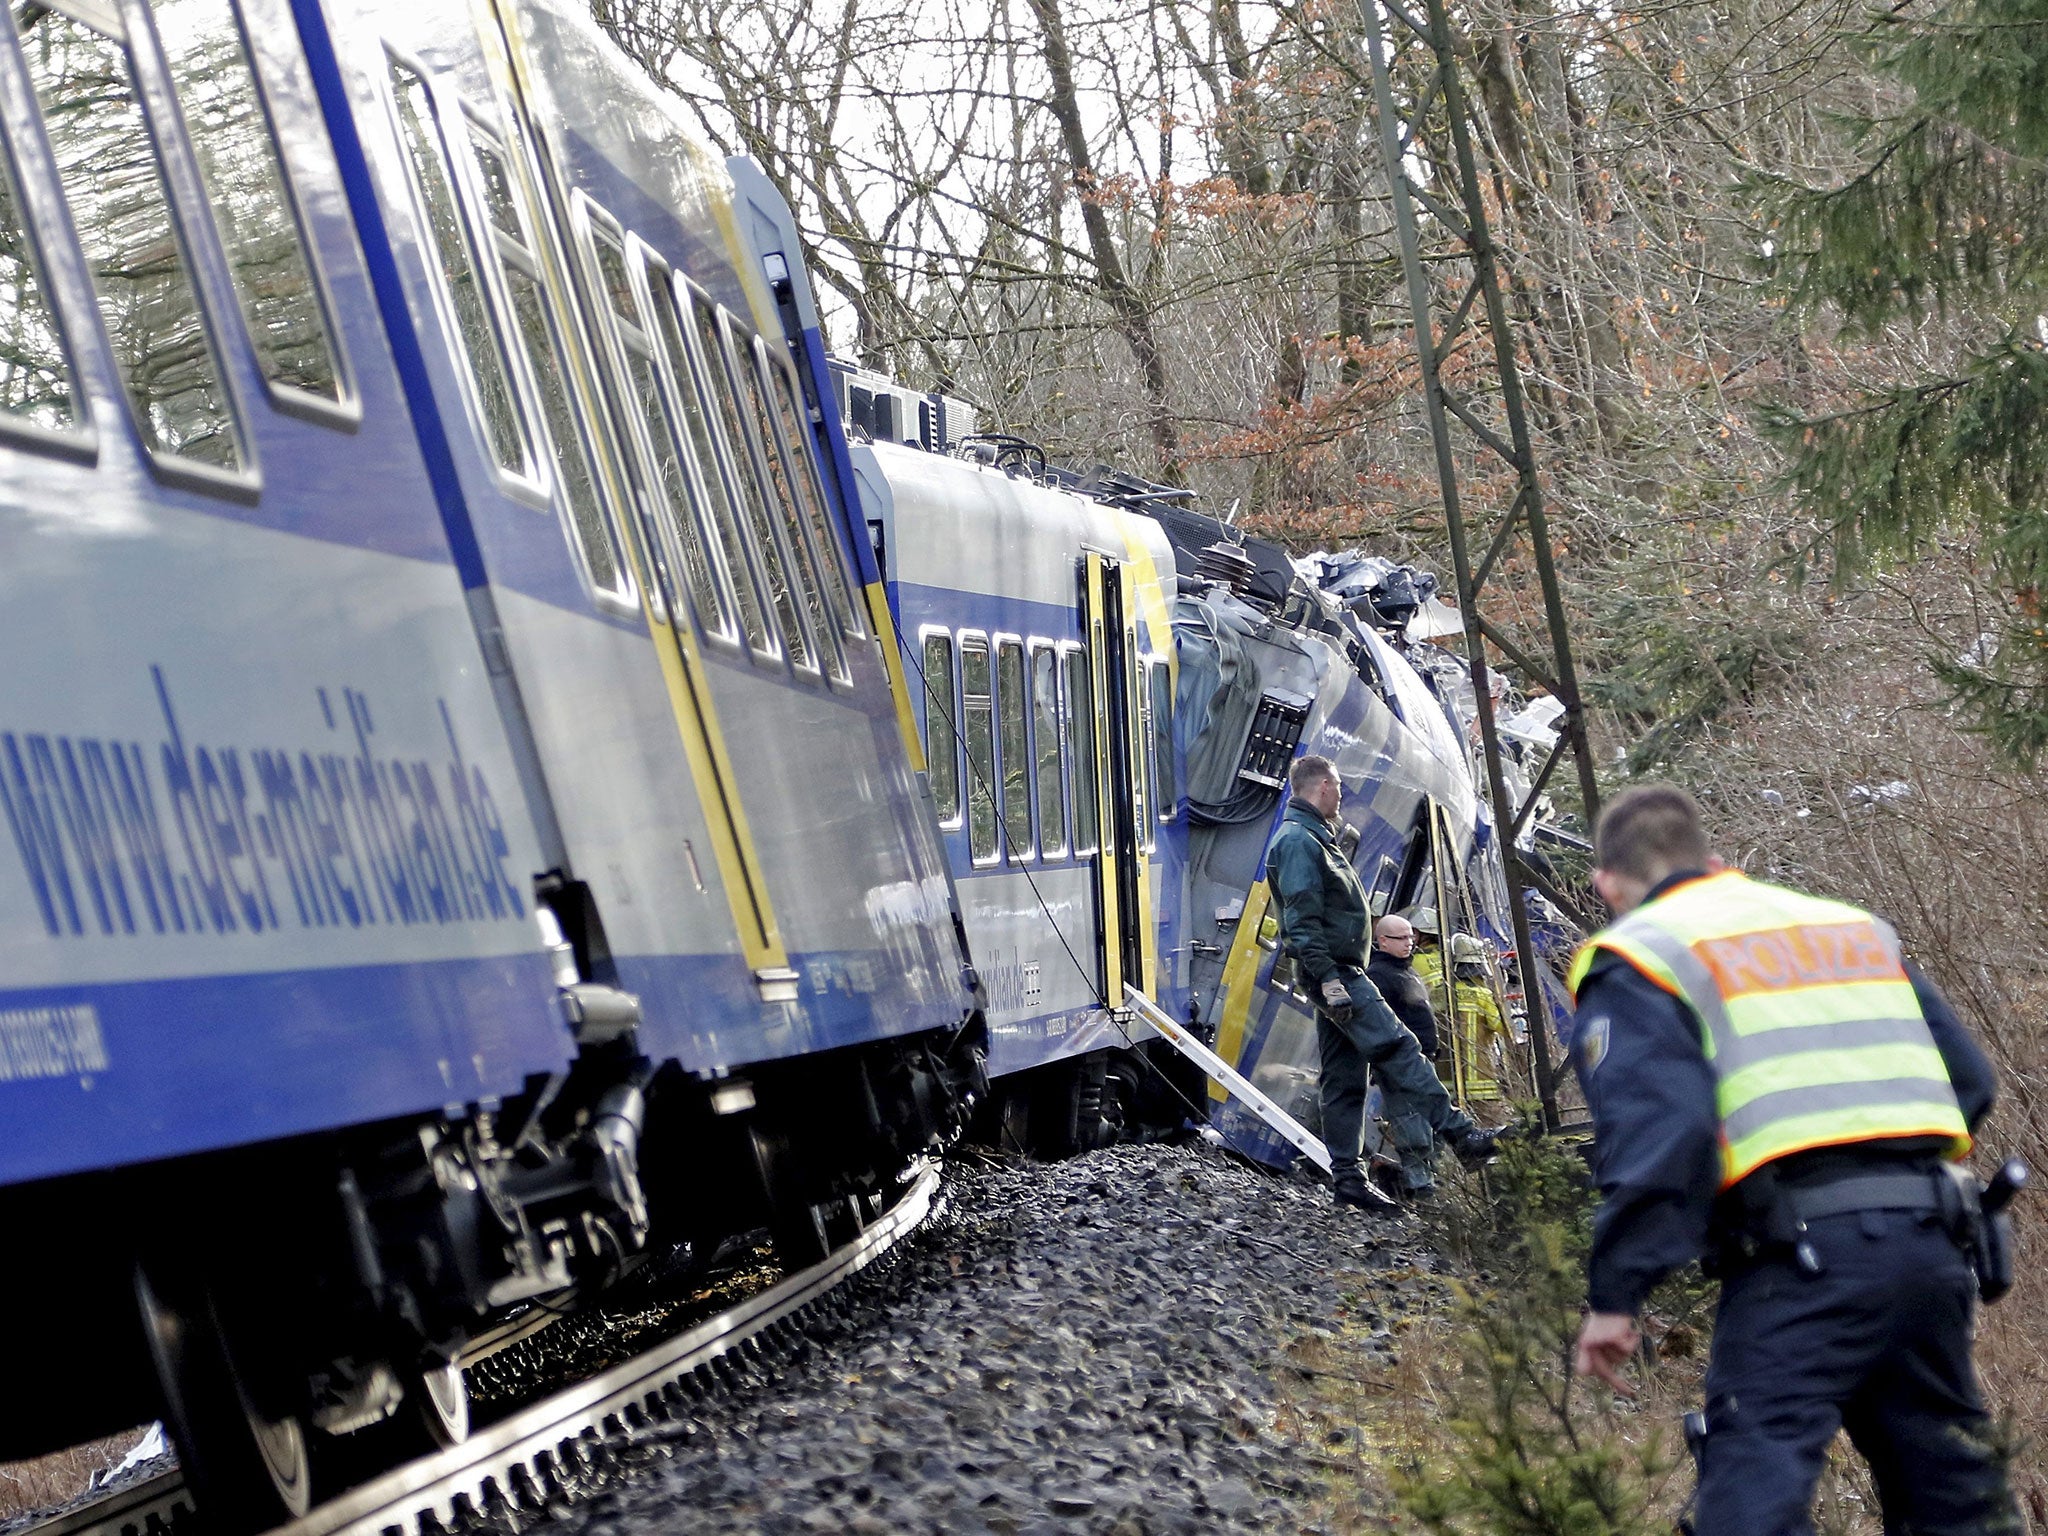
x=1859, y=1319
x=1323, y=923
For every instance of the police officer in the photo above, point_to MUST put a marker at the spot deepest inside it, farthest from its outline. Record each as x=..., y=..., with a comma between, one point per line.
x=1774, y=1087
x=1323, y=923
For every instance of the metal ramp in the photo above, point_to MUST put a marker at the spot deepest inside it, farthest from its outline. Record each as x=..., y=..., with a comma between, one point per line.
x=1177, y=1035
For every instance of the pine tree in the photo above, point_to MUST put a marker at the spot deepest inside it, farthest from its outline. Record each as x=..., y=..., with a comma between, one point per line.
x=1945, y=222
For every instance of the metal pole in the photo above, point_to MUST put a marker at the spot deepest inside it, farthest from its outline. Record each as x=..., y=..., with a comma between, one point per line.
x=1439, y=409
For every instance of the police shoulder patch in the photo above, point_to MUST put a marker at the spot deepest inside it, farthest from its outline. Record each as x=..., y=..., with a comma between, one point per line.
x=1592, y=1041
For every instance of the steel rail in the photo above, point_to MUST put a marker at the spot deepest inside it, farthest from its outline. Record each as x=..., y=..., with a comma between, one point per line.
x=150, y=1505
x=518, y=1460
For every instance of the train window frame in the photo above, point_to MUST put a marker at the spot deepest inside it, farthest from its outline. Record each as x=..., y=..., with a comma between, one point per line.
x=669, y=296
x=28, y=119
x=521, y=251
x=79, y=440
x=694, y=304
x=344, y=411
x=823, y=617
x=593, y=227
x=533, y=482
x=972, y=642
x=1016, y=849
x=1080, y=718
x=792, y=421
x=947, y=702
x=647, y=270
x=777, y=532
x=1166, y=778
x=1052, y=830
x=1146, y=777
x=770, y=533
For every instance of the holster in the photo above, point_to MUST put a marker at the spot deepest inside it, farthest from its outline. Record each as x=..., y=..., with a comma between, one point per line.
x=1985, y=1236
x=1991, y=1257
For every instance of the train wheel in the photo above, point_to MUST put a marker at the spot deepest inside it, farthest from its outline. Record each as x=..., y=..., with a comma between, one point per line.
x=247, y=1465
x=1121, y=1087
x=439, y=1402
x=801, y=1237
x=845, y=1219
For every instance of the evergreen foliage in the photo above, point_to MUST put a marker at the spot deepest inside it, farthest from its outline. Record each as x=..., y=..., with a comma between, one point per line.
x=1677, y=664
x=1524, y=1451
x=1947, y=218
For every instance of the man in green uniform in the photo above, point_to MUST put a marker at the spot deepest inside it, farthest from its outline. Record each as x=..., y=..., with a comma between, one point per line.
x=1323, y=923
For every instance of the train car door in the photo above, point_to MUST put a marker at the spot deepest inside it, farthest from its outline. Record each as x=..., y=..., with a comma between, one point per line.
x=1119, y=876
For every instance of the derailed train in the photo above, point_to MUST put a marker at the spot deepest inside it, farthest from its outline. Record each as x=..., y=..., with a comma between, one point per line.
x=477, y=806
x=1206, y=661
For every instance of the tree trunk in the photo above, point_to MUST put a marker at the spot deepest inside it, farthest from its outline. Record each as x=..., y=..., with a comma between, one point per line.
x=1128, y=310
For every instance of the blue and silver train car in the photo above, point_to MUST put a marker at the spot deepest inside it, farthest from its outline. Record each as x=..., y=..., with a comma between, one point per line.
x=652, y=529
x=1037, y=625
x=459, y=820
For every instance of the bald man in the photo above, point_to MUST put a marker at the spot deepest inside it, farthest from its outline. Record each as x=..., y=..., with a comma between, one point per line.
x=1392, y=970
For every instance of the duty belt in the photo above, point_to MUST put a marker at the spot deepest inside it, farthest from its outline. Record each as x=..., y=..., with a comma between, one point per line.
x=1871, y=1192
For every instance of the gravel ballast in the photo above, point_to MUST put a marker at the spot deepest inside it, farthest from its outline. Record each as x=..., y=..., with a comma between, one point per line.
x=1084, y=1346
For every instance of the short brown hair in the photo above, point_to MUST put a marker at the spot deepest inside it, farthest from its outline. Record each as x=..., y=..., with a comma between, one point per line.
x=1650, y=831
x=1309, y=769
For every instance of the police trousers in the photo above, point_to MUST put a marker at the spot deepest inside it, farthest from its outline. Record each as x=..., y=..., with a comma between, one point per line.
x=1877, y=1343
x=1418, y=1109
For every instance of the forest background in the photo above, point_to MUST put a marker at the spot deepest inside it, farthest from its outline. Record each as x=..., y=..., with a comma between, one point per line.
x=1774, y=268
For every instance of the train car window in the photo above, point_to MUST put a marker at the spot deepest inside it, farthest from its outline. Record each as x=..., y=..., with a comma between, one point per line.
x=1081, y=751
x=1045, y=733
x=810, y=489
x=541, y=344
x=120, y=208
x=36, y=384
x=941, y=739
x=1166, y=790
x=611, y=270
x=688, y=394
x=482, y=348
x=1016, y=752
x=665, y=485
x=977, y=703
x=785, y=475
x=653, y=491
x=718, y=367
x=251, y=200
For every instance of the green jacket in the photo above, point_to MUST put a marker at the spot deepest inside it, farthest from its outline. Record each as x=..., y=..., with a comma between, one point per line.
x=1323, y=918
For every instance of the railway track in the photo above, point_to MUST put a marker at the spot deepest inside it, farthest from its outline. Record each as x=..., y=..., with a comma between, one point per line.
x=520, y=1461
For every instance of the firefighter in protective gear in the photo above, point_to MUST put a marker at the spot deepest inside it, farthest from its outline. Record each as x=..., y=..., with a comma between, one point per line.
x=1482, y=1032
x=1776, y=1090
x=1428, y=957
x=1323, y=923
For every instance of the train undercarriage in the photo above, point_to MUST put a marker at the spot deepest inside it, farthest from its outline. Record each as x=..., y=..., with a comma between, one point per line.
x=297, y=1313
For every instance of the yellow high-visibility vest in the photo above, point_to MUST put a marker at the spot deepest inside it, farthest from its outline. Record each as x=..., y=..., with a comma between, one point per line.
x=1806, y=1015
